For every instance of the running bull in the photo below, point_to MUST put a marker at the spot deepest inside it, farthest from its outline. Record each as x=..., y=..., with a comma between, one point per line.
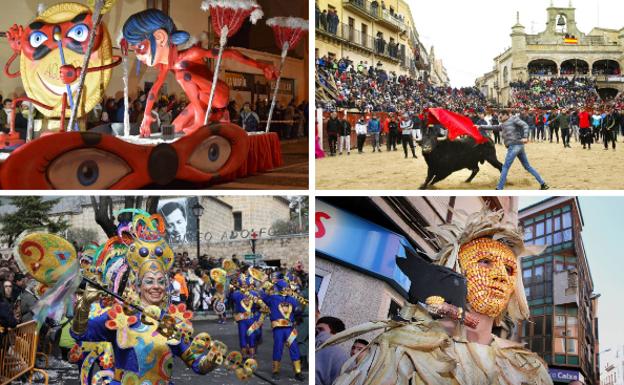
x=444, y=156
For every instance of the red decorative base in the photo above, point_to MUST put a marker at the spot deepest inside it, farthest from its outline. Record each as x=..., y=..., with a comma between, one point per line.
x=86, y=160
x=265, y=154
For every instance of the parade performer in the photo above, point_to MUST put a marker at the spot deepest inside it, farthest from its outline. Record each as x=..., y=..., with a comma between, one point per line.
x=417, y=348
x=282, y=308
x=124, y=316
x=144, y=343
x=247, y=306
x=153, y=36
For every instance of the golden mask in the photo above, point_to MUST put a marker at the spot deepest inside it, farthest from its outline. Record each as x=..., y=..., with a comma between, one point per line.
x=490, y=268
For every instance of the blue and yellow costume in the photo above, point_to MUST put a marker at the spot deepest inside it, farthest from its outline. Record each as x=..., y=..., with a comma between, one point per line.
x=282, y=309
x=247, y=306
x=143, y=342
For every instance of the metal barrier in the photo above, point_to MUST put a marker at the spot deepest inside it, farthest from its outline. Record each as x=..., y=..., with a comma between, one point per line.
x=18, y=351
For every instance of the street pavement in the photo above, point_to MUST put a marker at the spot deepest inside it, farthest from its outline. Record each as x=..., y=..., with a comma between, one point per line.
x=67, y=374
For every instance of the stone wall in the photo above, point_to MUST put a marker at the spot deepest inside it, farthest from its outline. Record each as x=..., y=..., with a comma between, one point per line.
x=259, y=212
x=287, y=250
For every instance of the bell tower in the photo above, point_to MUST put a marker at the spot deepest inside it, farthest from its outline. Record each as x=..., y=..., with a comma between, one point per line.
x=562, y=21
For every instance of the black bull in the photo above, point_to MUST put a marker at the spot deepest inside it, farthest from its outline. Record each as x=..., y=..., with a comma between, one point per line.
x=444, y=156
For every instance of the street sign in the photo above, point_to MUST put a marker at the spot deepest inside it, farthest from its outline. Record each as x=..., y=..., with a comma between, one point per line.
x=253, y=257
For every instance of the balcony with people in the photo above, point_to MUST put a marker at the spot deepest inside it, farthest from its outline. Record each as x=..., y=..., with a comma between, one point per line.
x=377, y=11
x=542, y=68
x=387, y=49
x=574, y=67
x=607, y=70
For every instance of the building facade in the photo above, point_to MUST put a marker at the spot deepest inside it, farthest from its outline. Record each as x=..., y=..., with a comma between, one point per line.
x=563, y=328
x=226, y=227
x=358, y=238
x=612, y=366
x=438, y=75
x=376, y=33
x=561, y=50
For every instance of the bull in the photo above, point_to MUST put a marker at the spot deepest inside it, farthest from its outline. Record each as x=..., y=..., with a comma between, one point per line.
x=444, y=156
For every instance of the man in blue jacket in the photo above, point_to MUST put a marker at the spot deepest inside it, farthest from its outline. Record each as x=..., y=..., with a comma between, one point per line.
x=374, y=128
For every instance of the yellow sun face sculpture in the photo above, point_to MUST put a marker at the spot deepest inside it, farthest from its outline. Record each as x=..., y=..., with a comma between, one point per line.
x=40, y=59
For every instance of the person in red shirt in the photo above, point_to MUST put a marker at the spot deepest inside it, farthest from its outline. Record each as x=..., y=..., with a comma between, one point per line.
x=585, y=128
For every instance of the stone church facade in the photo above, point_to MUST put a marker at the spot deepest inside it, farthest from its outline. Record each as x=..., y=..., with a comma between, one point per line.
x=560, y=50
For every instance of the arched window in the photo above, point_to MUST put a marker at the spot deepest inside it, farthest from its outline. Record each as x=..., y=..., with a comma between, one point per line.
x=574, y=67
x=505, y=76
x=606, y=67
x=542, y=67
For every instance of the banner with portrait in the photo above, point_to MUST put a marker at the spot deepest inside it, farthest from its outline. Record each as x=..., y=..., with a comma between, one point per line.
x=180, y=223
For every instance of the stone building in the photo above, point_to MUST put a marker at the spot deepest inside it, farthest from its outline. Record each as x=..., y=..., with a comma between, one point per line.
x=612, y=366
x=378, y=33
x=438, y=75
x=257, y=213
x=226, y=227
x=560, y=50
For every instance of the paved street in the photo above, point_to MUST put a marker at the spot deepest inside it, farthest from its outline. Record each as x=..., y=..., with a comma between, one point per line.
x=66, y=374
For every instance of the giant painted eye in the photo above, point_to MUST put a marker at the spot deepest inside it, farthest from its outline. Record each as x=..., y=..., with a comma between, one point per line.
x=158, y=251
x=211, y=154
x=143, y=252
x=79, y=33
x=37, y=38
x=88, y=168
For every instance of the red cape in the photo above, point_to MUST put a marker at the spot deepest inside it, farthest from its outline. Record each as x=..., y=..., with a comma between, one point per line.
x=456, y=124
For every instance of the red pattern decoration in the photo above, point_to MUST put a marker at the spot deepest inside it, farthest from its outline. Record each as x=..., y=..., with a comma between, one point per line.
x=265, y=154
x=231, y=14
x=287, y=30
x=117, y=312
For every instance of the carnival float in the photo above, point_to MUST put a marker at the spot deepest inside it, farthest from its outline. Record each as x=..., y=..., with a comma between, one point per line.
x=201, y=147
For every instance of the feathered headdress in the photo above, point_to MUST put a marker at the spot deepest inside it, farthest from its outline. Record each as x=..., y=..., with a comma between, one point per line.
x=485, y=224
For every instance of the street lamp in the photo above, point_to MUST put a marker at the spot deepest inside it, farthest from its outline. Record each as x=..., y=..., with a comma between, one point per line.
x=198, y=211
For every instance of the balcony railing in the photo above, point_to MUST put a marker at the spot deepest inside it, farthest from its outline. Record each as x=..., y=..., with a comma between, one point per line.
x=388, y=50
x=392, y=20
x=366, y=7
x=373, y=10
x=351, y=35
x=378, y=46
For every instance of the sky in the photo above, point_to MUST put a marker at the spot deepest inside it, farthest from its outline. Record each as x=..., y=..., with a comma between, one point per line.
x=467, y=35
x=604, y=227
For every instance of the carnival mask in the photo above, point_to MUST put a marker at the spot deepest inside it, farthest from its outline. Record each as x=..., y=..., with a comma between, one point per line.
x=69, y=25
x=490, y=268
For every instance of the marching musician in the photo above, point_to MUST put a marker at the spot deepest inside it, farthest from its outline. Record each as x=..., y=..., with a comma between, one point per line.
x=247, y=306
x=282, y=308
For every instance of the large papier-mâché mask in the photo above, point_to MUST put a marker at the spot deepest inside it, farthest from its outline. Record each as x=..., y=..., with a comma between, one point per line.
x=490, y=268
x=40, y=60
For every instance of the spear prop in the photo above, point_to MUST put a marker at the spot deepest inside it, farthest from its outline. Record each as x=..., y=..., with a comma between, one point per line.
x=227, y=18
x=288, y=31
x=99, y=9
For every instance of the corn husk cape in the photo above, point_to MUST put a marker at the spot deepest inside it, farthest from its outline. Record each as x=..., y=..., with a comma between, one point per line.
x=416, y=349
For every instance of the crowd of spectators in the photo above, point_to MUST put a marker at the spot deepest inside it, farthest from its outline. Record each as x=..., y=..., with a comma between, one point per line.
x=554, y=92
x=290, y=120
x=364, y=87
